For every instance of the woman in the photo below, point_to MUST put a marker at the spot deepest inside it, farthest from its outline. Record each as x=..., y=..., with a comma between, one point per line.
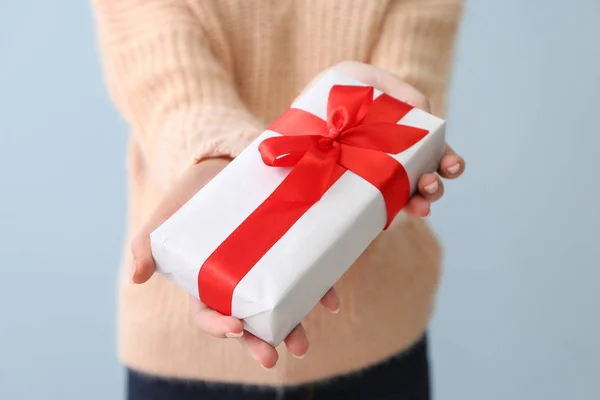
x=198, y=80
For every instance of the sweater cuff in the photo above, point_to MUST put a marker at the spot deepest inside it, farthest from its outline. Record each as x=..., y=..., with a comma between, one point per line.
x=193, y=135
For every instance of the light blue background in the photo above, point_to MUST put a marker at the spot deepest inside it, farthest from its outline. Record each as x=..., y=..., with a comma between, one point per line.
x=518, y=314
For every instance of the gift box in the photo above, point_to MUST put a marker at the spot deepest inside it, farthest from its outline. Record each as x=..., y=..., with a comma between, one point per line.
x=269, y=235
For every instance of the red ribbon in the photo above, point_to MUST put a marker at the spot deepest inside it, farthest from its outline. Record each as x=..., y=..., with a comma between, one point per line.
x=358, y=134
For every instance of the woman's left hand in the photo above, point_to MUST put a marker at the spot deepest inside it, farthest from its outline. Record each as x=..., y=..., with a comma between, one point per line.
x=431, y=187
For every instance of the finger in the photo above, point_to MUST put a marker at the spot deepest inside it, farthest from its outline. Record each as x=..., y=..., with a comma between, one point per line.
x=297, y=342
x=418, y=206
x=261, y=351
x=331, y=301
x=452, y=165
x=386, y=82
x=430, y=186
x=213, y=322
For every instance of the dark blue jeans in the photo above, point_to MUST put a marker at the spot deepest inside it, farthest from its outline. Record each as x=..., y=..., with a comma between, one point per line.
x=403, y=377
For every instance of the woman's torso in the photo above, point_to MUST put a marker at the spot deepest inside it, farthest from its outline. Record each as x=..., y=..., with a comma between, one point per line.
x=272, y=49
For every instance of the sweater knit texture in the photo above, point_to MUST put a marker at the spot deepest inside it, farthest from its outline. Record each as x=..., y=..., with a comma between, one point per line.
x=202, y=78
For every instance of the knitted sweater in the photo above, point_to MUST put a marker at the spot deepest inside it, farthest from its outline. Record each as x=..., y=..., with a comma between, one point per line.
x=202, y=78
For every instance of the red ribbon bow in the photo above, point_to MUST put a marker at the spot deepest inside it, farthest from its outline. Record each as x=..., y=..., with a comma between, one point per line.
x=357, y=136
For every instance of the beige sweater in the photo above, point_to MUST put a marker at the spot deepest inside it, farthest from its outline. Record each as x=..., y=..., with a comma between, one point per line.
x=201, y=78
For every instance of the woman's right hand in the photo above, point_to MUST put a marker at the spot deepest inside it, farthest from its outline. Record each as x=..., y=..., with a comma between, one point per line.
x=206, y=319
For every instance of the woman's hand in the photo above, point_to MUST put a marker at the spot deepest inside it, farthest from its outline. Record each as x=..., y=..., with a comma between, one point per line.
x=206, y=319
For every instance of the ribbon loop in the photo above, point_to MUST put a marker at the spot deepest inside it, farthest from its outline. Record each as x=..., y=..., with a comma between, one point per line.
x=286, y=151
x=348, y=105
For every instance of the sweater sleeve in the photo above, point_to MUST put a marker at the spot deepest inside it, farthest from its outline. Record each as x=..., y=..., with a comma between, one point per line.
x=178, y=99
x=417, y=43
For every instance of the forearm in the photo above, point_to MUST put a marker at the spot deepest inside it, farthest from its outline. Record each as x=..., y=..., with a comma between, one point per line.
x=178, y=99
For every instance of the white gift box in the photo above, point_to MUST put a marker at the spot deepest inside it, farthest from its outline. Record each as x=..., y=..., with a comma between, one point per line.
x=288, y=281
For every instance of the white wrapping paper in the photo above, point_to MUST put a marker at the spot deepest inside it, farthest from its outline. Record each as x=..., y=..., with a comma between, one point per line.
x=298, y=270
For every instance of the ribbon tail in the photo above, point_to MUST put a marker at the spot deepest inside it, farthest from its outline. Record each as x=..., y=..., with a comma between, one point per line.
x=383, y=172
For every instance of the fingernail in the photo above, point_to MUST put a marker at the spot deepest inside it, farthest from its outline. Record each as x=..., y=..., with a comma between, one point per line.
x=432, y=187
x=299, y=357
x=454, y=168
x=337, y=310
x=234, y=335
x=428, y=214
